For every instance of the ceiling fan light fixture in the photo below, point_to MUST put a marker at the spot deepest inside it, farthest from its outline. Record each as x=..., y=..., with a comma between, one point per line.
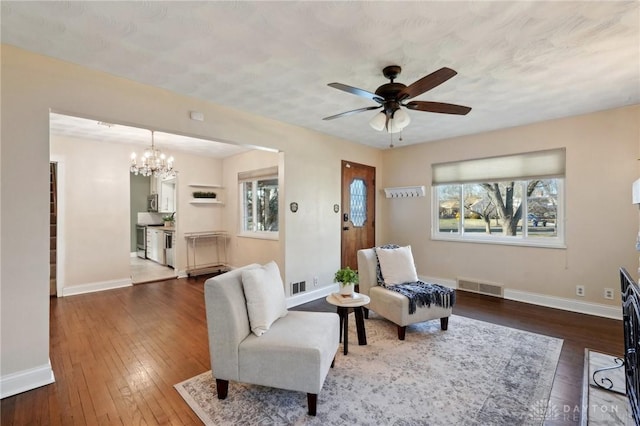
x=378, y=121
x=398, y=121
x=402, y=118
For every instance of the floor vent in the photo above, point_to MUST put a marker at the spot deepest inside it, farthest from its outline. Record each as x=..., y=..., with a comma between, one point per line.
x=480, y=287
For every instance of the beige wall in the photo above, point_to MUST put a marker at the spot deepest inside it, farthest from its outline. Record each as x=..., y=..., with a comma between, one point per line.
x=94, y=230
x=33, y=84
x=243, y=250
x=601, y=224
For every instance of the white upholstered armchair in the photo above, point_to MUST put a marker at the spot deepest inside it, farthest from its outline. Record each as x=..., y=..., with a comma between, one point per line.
x=254, y=339
x=394, y=305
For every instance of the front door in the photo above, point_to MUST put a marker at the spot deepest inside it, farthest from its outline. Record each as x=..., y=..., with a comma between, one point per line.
x=358, y=211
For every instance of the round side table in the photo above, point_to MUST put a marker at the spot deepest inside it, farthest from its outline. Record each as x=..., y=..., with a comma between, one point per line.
x=359, y=300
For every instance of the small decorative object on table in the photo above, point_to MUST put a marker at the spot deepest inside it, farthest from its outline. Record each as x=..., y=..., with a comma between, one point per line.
x=347, y=278
x=347, y=298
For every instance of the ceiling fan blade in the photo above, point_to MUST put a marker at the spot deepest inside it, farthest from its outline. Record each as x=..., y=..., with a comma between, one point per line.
x=438, y=107
x=344, y=114
x=426, y=83
x=356, y=91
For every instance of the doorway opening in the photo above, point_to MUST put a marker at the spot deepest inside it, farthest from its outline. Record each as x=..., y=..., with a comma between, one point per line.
x=53, y=228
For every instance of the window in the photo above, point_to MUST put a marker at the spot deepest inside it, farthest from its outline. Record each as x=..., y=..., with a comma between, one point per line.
x=513, y=199
x=259, y=203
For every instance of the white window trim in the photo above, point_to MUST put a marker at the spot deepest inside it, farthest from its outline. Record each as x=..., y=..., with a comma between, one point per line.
x=243, y=233
x=557, y=242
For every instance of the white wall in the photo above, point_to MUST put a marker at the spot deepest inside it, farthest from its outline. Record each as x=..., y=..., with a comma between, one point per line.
x=92, y=230
x=194, y=169
x=601, y=224
x=32, y=85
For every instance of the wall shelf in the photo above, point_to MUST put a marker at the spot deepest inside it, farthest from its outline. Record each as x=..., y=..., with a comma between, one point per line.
x=405, y=192
x=204, y=185
x=205, y=201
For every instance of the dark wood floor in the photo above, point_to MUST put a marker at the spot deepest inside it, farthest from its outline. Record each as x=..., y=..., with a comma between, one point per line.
x=117, y=354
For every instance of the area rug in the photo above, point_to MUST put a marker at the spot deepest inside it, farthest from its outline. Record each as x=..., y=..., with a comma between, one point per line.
x=475, y=373
x=602, y=407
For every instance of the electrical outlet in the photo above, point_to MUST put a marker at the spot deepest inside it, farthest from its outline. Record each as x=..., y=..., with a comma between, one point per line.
x=315, y=281
x=608, y=293
x=580, y=290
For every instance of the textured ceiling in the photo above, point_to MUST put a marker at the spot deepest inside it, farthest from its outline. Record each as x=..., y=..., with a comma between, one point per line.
x=517, y=62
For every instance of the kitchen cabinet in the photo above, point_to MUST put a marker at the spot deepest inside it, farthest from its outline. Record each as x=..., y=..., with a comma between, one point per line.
x=166, y=190
x=155, y=244
x=167, y=196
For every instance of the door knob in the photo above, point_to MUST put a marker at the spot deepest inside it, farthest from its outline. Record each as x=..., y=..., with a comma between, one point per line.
x=345, y=228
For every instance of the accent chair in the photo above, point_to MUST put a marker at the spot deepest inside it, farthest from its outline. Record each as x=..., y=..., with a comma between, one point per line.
x=292, y=350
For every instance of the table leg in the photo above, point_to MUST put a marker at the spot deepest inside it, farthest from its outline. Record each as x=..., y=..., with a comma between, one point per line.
x=345, y=332
x=362, y=336
x=341, y=316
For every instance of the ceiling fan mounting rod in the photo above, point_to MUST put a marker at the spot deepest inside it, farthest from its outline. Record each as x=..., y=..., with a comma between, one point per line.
x=391, y=72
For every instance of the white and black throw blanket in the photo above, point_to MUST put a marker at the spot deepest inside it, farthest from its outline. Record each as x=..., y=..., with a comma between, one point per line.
x=425, y=294
x=419, y=293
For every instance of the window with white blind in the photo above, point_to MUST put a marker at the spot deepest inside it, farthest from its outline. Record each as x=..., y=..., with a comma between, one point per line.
x=512, y=199
x=258, y=191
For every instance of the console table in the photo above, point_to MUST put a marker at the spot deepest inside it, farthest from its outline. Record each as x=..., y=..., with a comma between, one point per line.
x=196, y=240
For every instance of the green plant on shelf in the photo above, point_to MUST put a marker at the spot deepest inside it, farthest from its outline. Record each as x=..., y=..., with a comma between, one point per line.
x=203, y=194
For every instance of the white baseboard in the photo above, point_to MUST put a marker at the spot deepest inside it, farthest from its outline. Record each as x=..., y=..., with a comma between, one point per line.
x=22, y=381
x=441, y=281
x=98, y=286
x=309, y=296
x=589, y=308
x=597, y=309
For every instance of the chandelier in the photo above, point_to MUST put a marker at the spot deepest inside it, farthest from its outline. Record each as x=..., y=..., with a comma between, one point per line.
x=152, y=163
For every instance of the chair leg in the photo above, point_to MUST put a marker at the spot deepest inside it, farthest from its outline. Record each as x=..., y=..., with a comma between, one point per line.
x=223, y=388
x=333, y=362
x=312, y=402
x=444, y=323
x=401, y=332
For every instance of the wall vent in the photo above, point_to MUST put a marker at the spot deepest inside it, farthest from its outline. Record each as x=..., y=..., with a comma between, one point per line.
x=298, y=287
x=480, y=287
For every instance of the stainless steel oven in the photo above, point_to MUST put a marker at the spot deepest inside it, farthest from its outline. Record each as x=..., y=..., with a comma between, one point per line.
x=141, y=241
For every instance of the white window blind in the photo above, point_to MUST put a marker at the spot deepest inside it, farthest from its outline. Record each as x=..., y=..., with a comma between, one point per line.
x=529, y=165
x=269, y=172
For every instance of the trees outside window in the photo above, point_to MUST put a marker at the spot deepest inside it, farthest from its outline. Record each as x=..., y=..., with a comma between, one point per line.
x=515, y=211
x=260, y=206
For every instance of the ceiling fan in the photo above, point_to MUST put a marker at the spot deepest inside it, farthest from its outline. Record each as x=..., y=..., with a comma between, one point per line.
x=392, y=96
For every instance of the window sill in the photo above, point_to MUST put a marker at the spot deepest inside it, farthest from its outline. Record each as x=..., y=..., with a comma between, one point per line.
x=275, y=236
x=515, y=241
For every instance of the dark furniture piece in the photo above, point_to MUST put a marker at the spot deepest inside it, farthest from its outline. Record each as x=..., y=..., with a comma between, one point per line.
x=343, y=313
x=631, y=322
